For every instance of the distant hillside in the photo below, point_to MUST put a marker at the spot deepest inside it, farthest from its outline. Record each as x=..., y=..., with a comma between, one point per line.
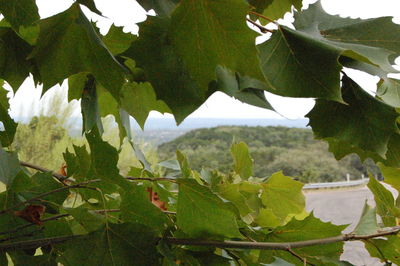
x=292, y=150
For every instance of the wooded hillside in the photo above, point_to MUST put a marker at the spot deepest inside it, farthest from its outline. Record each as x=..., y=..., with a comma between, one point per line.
x=292, y=150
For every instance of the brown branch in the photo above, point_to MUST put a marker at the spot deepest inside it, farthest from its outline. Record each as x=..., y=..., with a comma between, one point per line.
x=261, y=28
x=280, y=246
x=60, y=177
x=262, y=16
x=221, y=244
x=38, y=198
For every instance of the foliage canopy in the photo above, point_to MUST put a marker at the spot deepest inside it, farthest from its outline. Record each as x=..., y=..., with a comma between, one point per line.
x=185, y=53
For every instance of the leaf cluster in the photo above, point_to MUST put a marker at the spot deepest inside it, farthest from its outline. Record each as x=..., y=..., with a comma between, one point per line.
x=183, y=54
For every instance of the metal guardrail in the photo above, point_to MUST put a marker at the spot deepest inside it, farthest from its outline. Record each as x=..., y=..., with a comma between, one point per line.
x=352, y=183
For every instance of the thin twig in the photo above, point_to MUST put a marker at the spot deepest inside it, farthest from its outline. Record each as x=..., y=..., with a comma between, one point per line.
x=299, y=257
x=262, y=16
x=261, y=28
x=38, y=198
x=280, y=246
x=60, y=177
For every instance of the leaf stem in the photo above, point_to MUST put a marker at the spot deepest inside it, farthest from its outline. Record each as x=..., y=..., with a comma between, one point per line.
x=264, y=17
x=261, y=28
x=60, y=177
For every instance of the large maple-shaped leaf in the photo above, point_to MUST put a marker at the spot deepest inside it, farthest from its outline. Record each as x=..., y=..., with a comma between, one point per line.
x=376, y=32
x=357, y=34
x=291, y=62
x=303, y=63
x=117, y=244
x=14, y=68
x=19, y=12
x=164, y=69
x=215, y=33
x=364, y=122
x=201, y=213
x=307, y=229
x=68, y=44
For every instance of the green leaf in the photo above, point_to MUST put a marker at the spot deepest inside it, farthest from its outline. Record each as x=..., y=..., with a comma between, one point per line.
x=307, y=229
x=83, y=52
x=200, y=213
x=138, y=99
x=283, y=196
x=109, y=106
x=164, y=69
x=391, y=175
x=385, y=205
x=232, y=193
x=10, y=127
x=385, y=249
x=291, y=62
x=14, y=67
x=162, y=7
x=364, y=122
x=385, y=34
x=117, y=41
x=243, y=163
x=136, y=207
x=214, y=34
x=367, y=224
x=76, y=83
x=90, y=221
x=378, y=46
x=183, y=164
x=245, y=89
x=19, y=12
x=104, y=160
x=90, y=107
x=389, y=91
x=9, y=167
x=118, y=244
x=43, y=183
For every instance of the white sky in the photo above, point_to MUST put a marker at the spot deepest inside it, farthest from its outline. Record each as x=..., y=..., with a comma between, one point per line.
x=127, y=13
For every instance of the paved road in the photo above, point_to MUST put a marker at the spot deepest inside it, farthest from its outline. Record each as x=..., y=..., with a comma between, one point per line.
x=343, y=207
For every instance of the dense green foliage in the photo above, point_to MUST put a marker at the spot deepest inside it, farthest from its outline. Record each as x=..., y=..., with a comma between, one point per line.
x=183, y=54
x=292, y=150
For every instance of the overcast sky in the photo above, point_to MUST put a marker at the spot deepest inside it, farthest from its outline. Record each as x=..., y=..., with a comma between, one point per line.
x=127, y=13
